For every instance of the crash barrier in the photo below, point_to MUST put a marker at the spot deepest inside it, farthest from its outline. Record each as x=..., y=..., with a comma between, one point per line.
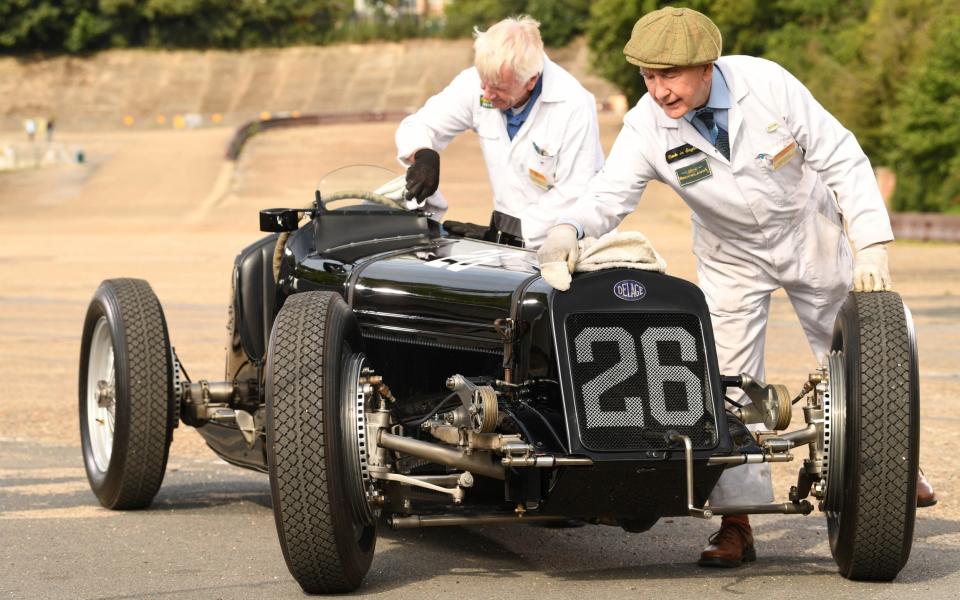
x=914, y=226
x=926, y=226
x=252, y=128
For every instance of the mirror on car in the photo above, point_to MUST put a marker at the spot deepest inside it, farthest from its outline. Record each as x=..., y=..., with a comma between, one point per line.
x=276, y=220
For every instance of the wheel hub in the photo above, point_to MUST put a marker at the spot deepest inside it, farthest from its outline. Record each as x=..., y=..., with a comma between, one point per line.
x=105, y=394
x=101, y=395
x=834, y=414
x=357, y=403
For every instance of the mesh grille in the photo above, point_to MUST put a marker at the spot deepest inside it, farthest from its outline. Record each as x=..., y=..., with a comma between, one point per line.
x=637, y=376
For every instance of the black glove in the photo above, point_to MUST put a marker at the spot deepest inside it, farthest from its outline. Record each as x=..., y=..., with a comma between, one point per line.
x=467, y=230
x=423, y=176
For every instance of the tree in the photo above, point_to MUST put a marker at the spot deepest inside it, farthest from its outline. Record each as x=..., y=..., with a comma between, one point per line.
x=560, y=20
x=924, y=126
x=463, y=15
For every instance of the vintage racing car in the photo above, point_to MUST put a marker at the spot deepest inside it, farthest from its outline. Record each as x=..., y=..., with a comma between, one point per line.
x=383, y=373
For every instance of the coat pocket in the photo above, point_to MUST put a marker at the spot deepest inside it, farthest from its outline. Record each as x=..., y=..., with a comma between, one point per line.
x=782, y=162
x=541, y=166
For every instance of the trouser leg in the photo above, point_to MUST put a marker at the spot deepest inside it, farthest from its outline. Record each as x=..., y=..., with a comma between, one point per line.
x=738, y=295
x=817, y=309
x=740, y=345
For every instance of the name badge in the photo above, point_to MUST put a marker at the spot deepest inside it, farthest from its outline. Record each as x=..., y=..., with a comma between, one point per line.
x=784, y=156
x=675, y=154
x=691, y=174
x=539, y=179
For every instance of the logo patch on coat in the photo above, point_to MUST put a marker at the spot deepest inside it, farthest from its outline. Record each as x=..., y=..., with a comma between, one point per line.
x=698, y=171
x=630, y=290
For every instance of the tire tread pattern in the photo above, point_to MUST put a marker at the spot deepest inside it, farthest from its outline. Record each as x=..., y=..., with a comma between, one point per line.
x=148, y=358
x=885, y=509
x=299, y=474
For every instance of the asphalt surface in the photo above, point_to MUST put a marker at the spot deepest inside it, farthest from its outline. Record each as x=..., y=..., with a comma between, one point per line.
x=210, y=534
x=141, y=206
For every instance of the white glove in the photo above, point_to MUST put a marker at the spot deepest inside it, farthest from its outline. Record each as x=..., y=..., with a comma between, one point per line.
x=558, y=256
x=871, y=273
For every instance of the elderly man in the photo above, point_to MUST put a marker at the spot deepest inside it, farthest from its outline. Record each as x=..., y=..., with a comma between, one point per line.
x=770, y=177
x=537, y=127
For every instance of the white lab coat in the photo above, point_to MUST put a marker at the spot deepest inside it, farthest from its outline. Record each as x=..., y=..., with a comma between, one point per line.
x=767, y=218
x=532, y=186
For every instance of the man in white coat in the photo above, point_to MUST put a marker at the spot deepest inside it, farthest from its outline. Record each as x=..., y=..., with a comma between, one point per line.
x=537, y=127
x=770, y=177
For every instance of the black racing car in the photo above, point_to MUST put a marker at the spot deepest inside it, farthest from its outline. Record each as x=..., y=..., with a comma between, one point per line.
x=382, y=371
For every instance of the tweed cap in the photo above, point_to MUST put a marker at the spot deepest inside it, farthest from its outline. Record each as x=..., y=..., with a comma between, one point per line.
x=673, y=37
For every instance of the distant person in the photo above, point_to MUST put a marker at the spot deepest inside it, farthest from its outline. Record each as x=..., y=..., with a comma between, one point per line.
x=31, y=126
x=537, y=127
x=50, y=125
x=780, y=192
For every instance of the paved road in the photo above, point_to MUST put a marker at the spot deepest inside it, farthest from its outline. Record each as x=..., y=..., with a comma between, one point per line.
x=141, y=207
x=210, y=534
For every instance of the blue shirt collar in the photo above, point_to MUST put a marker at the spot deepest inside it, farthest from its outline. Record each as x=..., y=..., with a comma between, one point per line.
x=719, y=95
x=515, y=121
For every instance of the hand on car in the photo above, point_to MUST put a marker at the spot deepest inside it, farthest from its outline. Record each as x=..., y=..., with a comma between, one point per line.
x=558, y=256
x=870, y=272
x=423, y=176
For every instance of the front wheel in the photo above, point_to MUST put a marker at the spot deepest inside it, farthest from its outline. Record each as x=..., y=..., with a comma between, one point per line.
x=873, y=436
x=316, y=443
x=126, y=394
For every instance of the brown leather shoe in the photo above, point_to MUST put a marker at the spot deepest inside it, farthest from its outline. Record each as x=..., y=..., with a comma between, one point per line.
x=731, y=546
x=925, y=494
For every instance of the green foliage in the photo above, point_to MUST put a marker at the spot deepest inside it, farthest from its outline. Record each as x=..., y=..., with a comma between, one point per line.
x=32, y=24
x=463, y=15
x=77, y=26
x=924, y=126
x=560, y=20
x=609, y=28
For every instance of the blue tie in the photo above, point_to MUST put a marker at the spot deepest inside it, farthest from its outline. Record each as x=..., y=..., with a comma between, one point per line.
x=719, y=136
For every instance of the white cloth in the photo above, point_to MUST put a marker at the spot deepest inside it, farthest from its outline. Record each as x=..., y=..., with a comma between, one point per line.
x=394, y=189
x=768, y=217
x=530, y=184
x=397, y=187
x=627, y=249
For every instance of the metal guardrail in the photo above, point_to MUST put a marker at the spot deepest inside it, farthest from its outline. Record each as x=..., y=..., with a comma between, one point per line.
x=926, y=226
x=252, y=128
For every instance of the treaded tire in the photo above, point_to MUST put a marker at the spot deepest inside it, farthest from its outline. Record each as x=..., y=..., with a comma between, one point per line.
x=872, y=532
x=327, y=548
x=126, y=332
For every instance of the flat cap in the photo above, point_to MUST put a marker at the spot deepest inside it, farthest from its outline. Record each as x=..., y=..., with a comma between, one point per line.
x=673, y=37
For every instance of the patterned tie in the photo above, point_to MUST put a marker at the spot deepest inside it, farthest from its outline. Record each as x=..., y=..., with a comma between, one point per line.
x=721, y=138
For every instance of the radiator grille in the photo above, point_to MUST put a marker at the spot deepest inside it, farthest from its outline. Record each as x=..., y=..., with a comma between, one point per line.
x=638, y=376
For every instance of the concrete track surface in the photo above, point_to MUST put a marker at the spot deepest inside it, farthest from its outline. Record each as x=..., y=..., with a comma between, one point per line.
x=149, y=205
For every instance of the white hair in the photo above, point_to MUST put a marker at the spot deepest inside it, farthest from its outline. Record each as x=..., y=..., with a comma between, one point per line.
x=514, y=42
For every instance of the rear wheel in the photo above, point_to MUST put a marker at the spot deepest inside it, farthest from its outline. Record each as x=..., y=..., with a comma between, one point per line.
x=126, y=394
x=316, y=446
x=872, y=437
